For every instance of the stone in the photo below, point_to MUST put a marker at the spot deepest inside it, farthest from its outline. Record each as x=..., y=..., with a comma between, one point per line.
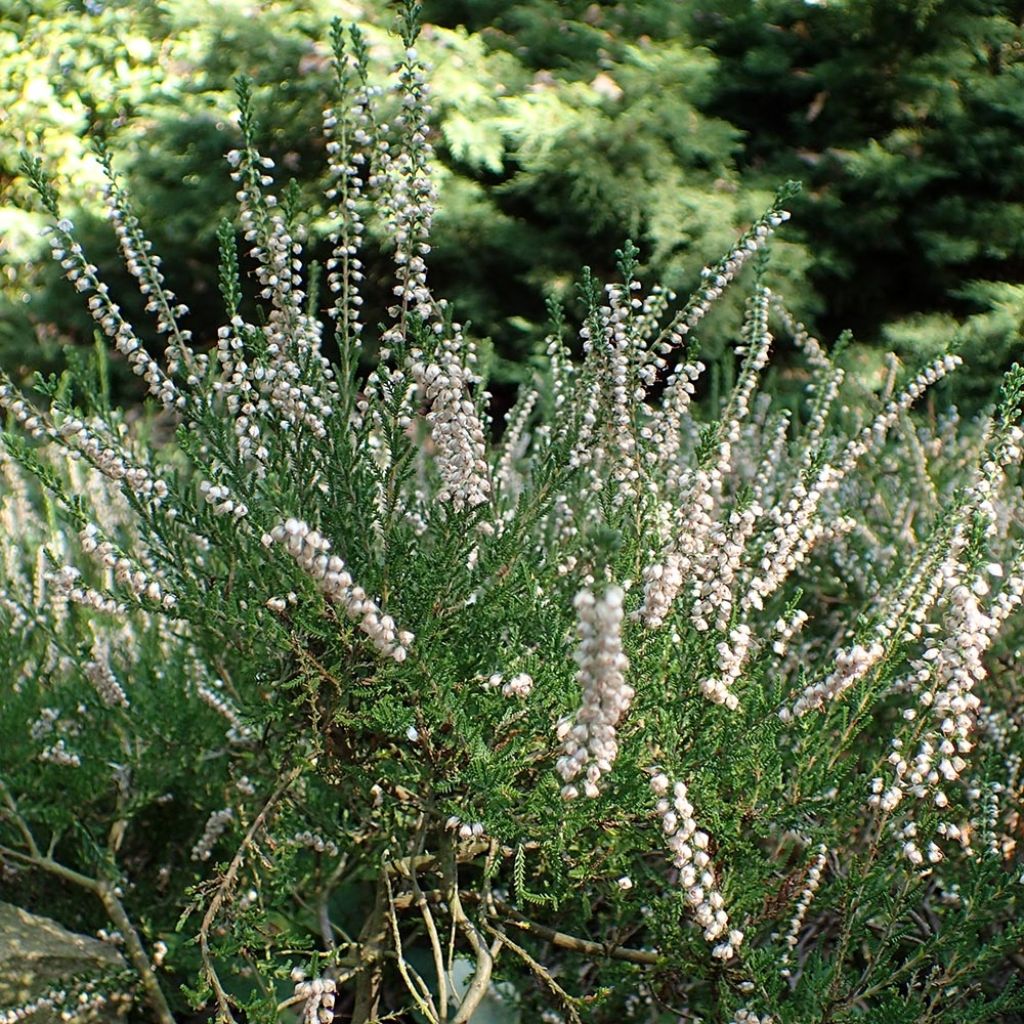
x=38, y=955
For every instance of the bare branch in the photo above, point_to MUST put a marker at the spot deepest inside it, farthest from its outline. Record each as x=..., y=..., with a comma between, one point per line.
x=224, y=889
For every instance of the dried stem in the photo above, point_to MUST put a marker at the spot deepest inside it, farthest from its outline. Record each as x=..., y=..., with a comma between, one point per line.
x=224, y=889
x=419, y=991
x=540, y=971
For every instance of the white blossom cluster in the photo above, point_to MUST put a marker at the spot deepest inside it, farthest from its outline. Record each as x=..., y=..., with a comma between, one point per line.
x=589, y=738
x=586, y=452
x=944, y=681
x=456, y=431
x=716, y=575
x=216, y=826
x=786, y=630
x=851, y=665
x=732, y=657
x=292, y=335
x=408, y=195
x=82, y=274
x=83, y=1001
x=316, y=842
x=709, y=553
x=717, y=278
x=520, y=685
x=647, y=321
x=911, y=850
x=465, y=829
x=125, y=572
x=25, y=416
x=348, y=139
x=99, y=673
x=663, y=434
x=58, y=754
x=242, y=388
x=218, y=497
x=798, y=525
x=665, y=577
x=66, y=581
x=108, y=455
x=662, y=582
x=109, y=459
x=689, y=846
x=811, y=885
x=318, y=996
x=814, y=433
x=514, y=443
x=144, y=265
x=815, y=355
x=749, y=1017
x=310, y=549
x=624, y=388
x=562, y=373
x=213, y=696
x=763, y=475
x=45, y=724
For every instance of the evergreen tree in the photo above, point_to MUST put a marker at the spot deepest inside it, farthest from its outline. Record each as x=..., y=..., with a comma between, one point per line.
x=906, y=122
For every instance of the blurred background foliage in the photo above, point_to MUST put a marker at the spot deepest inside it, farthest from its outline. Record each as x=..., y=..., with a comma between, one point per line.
x=561, y=129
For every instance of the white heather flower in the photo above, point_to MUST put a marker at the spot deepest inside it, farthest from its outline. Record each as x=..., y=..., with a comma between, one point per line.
x=59, y=754
x=851, y=665
x=732, y=656
x=590, y=739
x=798, y=526
x=216, y=825
x=520, y=685
x=66, y=582
x=456, y=430
x=104, y=681
x=318, y=995
x=107, y=314
x=128, y=574
x=316, y=842
x=688, y=846
x=514, y=444
x=214, y=697
x=811, y=884
x=716, y=280
x=786, y=630
x=311, y=550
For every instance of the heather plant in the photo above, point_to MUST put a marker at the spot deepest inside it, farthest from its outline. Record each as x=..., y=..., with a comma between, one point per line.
x=328, y=697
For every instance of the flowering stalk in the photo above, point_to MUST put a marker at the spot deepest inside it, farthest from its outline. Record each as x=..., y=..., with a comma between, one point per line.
x=590, y=738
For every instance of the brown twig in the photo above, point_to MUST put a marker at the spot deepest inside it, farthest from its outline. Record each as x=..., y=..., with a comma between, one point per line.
x=586, y=946
x=428, y=923
x=485, y=955
x=224, y=889
x=563, y=940
x=371, y=950
x=540, y=971
x=419, y=991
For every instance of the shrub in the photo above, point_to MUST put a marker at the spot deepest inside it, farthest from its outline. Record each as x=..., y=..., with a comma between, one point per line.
x=663, y=705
